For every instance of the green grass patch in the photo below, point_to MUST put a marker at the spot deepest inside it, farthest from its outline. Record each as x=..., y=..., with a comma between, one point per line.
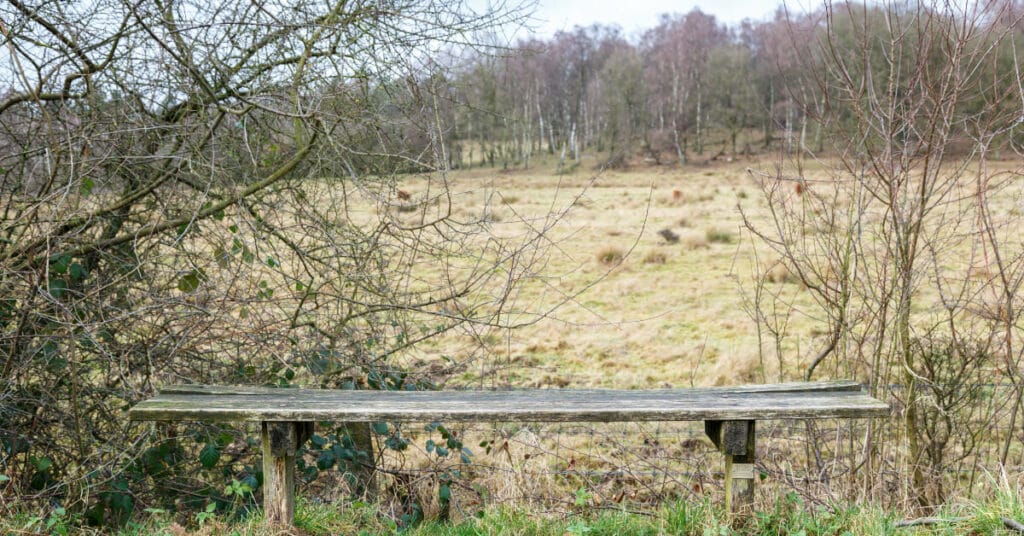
x=789, y=515
x=719, y=236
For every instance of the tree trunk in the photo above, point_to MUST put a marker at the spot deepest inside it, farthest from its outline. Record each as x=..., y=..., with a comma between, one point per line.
x=700, y=138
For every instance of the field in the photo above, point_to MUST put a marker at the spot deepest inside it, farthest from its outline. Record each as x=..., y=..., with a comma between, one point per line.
x=651, y=282
x=629, y=308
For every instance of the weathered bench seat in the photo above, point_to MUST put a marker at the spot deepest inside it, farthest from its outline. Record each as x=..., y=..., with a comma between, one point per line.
x=287, y=415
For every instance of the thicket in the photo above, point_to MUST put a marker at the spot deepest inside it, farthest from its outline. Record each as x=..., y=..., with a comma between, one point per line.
x=204, y=192
x=913, y=265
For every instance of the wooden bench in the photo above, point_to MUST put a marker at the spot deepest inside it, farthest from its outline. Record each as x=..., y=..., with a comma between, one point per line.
x=287, y=417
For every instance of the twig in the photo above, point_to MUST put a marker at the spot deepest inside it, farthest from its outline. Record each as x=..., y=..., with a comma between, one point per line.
x=929, y=521
x=1013, y=525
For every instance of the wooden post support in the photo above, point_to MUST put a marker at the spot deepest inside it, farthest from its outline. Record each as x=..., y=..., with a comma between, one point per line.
x=736, y=440
x=361, y=474
x=280, y=442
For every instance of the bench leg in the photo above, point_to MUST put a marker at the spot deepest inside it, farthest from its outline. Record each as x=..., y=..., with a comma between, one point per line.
x=280, y=442
x=361, y=474
x=736, y=440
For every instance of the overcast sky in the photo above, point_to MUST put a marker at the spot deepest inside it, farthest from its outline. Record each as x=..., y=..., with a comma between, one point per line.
x=634, y=16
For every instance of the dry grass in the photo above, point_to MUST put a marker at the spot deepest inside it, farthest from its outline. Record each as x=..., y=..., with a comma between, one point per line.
x=610, y=256
x=695, y=240
x=655, y=257
x=663, y=321
x=778, y=272
x=677, y=319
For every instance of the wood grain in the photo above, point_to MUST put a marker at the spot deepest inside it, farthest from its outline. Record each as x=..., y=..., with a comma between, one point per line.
x=738, y=443
x=754, y=402
x=280, y=441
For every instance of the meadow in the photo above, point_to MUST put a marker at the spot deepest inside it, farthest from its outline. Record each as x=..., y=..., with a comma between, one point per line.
x=649, y=279
x=655, y=280
x=644, y=287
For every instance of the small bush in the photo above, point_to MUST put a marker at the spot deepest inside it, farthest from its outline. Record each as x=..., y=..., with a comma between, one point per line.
x=509, y=199
x=718, y=236
x=610, y=255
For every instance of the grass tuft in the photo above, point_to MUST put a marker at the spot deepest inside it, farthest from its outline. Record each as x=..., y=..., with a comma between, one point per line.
x=655, y=257
x=610, y=256
x=718, y=236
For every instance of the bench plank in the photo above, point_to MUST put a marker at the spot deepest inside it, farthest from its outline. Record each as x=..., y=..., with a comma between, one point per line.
x=784, y=401
x=792, y=387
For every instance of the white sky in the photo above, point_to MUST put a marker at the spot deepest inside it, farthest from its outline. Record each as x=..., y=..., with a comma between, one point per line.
x=635, y=16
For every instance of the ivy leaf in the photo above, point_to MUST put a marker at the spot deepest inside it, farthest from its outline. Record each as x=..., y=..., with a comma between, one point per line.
x=60, y=263
x=191, y=281
x=224, y=439
x=86, y=187
x=325, y=460
x=121, y=502
x=78, y=272
x=42, y=464
x=209, y=455
x=444, y=493
x=381, y=428
x=56, y=287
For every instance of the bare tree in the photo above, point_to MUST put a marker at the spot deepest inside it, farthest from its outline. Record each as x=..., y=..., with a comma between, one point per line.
x=916, y=98
x=204, y=192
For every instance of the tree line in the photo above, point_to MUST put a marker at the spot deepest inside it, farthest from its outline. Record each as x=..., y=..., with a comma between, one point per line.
x=692, y=87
